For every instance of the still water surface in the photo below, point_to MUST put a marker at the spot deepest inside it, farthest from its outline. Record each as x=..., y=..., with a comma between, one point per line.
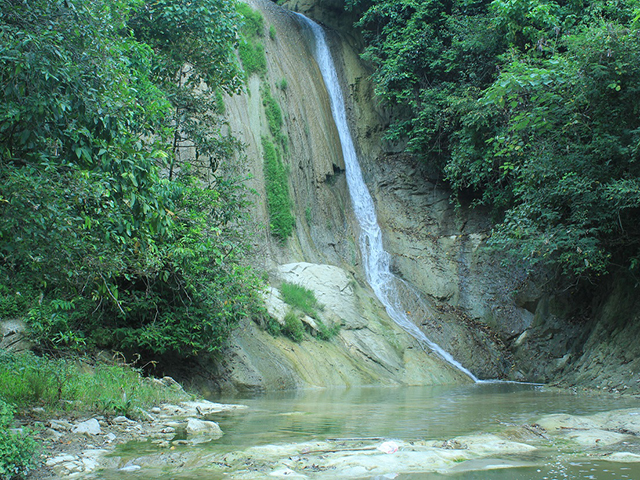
x=423, y=413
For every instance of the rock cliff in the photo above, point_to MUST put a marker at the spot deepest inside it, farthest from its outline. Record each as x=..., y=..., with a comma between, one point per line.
x=495, y=320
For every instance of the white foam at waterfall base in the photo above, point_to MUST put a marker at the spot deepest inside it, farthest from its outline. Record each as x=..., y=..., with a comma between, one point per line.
x=376, y=259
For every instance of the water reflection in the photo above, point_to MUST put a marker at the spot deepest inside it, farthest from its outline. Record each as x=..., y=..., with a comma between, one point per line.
x=405, y=413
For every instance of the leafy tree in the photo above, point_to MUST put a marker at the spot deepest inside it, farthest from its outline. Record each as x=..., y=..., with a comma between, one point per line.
x=430, y=58
x=194, y=45
x=530, y=106
x=109, y=251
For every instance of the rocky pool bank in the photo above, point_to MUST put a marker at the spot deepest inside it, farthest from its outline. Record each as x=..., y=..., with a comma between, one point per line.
x=185, y=440
x=80, y=447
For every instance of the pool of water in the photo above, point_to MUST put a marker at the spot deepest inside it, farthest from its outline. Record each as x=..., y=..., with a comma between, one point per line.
x=412, y=414
x=404, y=413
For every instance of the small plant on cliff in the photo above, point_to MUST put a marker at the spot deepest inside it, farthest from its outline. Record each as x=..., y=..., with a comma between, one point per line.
x=293, y=327
x=327, y=333
x=250, y=49
x=252, y=57
x=273, y=112
x=253, y=21
x=272, y=326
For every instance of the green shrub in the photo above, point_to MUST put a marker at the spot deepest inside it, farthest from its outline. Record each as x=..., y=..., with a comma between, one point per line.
x=272, y=32
x=272, y=326
x=277, y=185
x=327, y=333
x=283, y=84
x=250, y=50
x=293, y=327
x=301, y=298
x=17, y=450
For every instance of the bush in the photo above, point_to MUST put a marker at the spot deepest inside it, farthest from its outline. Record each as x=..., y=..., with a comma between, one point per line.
x=272, y=326
x=17, y=451
x=293, y=327
x=252, y=57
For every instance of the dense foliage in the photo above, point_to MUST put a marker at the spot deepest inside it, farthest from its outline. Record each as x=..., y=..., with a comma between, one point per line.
x=532, y=108
x=17, y=450
x=107, y=237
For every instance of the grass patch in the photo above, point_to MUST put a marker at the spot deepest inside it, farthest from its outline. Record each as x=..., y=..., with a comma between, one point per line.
x=27, y=380
x=301, y=298
x=273, y=112
x=277, y=185
x=250, y=49
x=293, y=327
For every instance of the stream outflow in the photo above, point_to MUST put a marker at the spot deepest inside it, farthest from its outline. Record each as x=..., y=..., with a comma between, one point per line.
x=376, y=259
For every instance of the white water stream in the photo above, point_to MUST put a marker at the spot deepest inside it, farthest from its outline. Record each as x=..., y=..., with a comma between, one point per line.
x=376, y=259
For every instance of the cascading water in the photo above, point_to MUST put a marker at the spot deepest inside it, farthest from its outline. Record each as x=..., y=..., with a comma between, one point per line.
x=376, y=259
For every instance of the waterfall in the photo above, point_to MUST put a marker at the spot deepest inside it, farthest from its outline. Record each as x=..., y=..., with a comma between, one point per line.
x=376, y=260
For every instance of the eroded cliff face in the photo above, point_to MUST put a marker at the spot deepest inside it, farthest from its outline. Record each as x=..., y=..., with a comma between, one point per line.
x=370, y=349
x=495, y=320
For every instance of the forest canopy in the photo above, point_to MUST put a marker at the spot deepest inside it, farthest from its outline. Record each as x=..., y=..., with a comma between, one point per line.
x=107, y=239
x=529, y=107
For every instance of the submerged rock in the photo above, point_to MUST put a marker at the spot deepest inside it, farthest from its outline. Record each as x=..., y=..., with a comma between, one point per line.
x=201, y=428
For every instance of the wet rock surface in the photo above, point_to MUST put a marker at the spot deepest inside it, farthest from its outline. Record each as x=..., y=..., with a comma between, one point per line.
x=608, y=437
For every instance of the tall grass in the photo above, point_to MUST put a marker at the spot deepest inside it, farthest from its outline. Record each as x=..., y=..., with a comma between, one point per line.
x=81, y=386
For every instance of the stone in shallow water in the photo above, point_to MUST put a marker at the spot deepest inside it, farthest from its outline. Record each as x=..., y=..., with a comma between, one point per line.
x=623, y=457
x=130, y=468
x=199, y=428
x=286, y=473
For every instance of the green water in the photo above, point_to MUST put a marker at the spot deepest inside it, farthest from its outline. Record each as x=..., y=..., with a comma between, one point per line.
x=411, y=414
